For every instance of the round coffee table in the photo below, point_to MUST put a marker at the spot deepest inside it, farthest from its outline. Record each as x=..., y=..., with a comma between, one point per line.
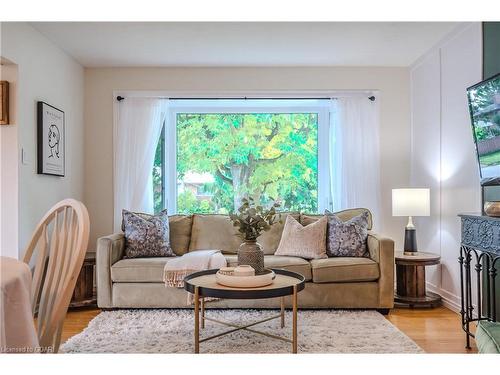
x=203, y=284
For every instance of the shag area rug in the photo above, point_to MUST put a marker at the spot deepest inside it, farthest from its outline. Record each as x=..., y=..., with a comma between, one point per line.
x=171, y=331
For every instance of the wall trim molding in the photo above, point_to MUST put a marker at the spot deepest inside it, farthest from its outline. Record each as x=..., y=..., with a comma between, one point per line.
x=449, y=300
x=447, y=38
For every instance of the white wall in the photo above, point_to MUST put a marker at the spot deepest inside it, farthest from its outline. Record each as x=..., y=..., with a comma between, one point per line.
x=100, y=83
x=45, y=73
x=443, y=156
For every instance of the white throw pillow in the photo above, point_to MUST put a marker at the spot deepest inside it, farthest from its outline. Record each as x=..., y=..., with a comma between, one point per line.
x=307, y=242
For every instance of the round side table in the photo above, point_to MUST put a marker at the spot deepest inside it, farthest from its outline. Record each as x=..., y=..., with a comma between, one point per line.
x=410, y=276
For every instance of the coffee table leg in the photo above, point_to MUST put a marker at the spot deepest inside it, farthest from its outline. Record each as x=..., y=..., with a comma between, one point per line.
x=294, y=335
x=282, y=312
x=202, y=313
x=196, y=320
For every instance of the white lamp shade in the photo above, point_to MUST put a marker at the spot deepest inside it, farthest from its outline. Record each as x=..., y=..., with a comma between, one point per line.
x=411, y=202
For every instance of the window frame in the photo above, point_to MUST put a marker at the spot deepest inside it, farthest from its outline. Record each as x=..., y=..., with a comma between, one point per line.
x=201, y=106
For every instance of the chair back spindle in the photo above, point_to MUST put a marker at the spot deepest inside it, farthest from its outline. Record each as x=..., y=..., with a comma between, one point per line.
x=59, y=244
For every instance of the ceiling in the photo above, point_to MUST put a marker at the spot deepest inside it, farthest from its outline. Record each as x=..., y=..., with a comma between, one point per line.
x=119, y=44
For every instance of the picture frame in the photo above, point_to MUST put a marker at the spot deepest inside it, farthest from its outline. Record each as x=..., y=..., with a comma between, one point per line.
x=4, y=102
x=50, y=140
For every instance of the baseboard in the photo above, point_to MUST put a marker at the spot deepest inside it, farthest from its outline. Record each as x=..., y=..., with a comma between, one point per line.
x=451, y=301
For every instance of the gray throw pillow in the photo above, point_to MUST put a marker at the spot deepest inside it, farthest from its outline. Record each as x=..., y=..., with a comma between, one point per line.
x=347, y=238
x=146, y=235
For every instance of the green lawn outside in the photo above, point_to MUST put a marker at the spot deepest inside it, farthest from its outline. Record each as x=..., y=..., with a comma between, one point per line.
x=490, y=159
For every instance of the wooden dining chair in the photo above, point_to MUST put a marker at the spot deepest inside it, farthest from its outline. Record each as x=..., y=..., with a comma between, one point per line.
x=57, y=249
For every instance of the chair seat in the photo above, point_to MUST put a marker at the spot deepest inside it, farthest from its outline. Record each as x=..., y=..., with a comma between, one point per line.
x=139, y=270
x=344, y=269
x=293, y=264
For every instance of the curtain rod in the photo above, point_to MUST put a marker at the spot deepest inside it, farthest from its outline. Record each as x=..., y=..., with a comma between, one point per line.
x=120, y=98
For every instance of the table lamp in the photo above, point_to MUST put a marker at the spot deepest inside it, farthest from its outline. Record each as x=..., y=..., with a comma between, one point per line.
x=410, y=202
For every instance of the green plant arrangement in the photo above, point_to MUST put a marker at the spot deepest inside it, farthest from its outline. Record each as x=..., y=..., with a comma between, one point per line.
x=252, y=219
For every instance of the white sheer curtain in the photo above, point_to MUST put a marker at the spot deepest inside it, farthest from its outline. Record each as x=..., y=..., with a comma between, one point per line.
x=354, y=154
x=136, y=134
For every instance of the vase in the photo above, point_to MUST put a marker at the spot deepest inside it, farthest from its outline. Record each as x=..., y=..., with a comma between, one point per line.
x=492, y=208
x=250, y=253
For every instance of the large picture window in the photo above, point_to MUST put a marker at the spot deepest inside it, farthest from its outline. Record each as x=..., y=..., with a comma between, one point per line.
x=212, y=153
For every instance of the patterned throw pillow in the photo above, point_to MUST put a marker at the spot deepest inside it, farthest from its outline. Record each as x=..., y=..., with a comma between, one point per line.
x=146, y=235
x=347, y=238
x=305, y=242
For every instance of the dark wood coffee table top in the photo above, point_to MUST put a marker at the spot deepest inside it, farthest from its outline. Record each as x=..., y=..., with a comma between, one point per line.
x=283, y=285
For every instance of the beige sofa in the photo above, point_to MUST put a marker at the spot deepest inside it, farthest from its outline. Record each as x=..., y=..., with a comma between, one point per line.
x=331, y=283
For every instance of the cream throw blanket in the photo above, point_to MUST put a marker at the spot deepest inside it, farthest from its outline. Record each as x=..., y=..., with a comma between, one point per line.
x=178, y=268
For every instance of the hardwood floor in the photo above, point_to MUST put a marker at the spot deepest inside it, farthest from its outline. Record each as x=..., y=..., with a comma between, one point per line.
x=435, y=330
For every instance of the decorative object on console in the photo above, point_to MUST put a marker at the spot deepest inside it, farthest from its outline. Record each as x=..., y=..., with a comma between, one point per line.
x=146, y=235
x=346, y=238
x=410, y=202
x=252, y=220
x=50, y=140
x=4, y=102
x=492, y=208
x=306, y=242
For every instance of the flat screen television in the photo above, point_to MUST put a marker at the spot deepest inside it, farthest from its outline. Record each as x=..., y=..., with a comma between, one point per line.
x=484, y=108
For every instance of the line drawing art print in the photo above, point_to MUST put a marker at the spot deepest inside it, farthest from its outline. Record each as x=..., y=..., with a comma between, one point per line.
x=51, y=140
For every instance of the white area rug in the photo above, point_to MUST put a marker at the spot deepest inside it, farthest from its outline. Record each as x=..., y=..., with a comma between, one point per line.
x=171, y=331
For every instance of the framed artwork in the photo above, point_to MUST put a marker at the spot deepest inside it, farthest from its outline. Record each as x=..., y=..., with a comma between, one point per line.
x=4, y=102
x=51, y=140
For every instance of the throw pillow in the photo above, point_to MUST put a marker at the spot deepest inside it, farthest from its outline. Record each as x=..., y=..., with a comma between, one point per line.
x=305, y=242
x=146, y=235
x=347, y=238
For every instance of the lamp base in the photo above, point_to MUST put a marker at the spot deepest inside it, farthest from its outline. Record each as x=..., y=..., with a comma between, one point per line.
x=410, y=247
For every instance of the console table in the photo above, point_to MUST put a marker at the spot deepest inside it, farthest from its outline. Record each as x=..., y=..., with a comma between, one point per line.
x=479, y=250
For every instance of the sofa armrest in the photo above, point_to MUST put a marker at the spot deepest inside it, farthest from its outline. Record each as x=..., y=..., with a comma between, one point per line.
x=110, y=250
x=382, y=251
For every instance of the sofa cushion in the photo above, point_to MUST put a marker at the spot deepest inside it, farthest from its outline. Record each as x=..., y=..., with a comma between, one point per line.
x=146, y=235
x=347, y=238
x=293, y=264
x=180, y=233
x=303, y=241
x=214, y=232
x=344, y=269
x=271, y=239
x=218, y=232
x=139, y=270
x=342, y=215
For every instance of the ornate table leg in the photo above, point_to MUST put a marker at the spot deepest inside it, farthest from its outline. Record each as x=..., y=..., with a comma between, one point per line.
x=196, y=320
x=282, y=312
x=202, y=313
x=294, y=335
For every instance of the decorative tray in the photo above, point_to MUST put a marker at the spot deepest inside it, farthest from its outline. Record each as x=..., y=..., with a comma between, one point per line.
x=255, y=281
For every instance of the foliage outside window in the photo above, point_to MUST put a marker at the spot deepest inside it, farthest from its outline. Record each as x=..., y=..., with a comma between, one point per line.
x=221, y=158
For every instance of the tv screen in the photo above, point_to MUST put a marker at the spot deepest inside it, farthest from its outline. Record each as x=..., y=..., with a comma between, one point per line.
x=484, y=107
